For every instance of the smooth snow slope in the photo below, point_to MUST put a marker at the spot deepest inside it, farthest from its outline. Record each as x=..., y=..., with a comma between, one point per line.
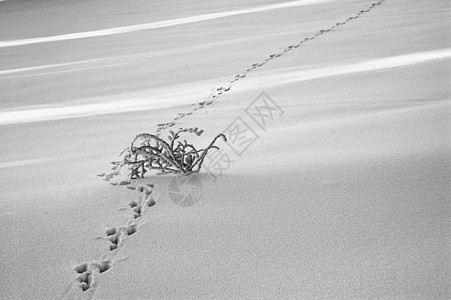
x=345, y=195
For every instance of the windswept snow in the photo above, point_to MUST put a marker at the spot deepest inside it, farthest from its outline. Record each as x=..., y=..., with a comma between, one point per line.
x=342, y=194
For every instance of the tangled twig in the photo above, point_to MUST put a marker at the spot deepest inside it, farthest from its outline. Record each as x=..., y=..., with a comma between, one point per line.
x=174, y=156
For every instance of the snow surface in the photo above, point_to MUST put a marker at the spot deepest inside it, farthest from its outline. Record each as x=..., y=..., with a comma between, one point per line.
x=344, y=195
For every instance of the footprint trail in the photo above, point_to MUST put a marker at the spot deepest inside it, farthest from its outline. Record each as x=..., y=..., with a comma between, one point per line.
x=87, y=274
x=224, y=89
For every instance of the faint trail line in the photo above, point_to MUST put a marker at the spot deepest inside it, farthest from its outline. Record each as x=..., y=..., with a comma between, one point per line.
x=51, y=66
x=223, y=89
x=118, y=60
x=155, y=25
x=366, y=66
x=20, y=163
x=64, y=71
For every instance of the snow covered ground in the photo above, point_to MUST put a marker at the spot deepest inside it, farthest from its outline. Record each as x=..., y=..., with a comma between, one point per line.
x=343, y=193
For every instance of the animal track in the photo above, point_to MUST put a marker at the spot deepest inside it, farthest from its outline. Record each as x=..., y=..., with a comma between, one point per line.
x=85, y=280
x=116, y=170
x=131, y=229
x=86, y=271
x=124, y=182
x=113, y=235
x=81, y=268
x=151, y=202
x=103, y=266
x=133, y=203
x=137, y=206
x=114, y=239
x=110, y=231
x=221, y=90
x=138, y=211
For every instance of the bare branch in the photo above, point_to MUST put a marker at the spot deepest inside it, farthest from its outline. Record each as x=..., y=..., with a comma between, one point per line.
x=154, y=153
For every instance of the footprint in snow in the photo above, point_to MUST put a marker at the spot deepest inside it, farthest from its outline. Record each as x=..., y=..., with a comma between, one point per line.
x=86, y=271
x=85, y=276
x=102, y=266
x=131, y=229
x=81, y=268
x=114, y=241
